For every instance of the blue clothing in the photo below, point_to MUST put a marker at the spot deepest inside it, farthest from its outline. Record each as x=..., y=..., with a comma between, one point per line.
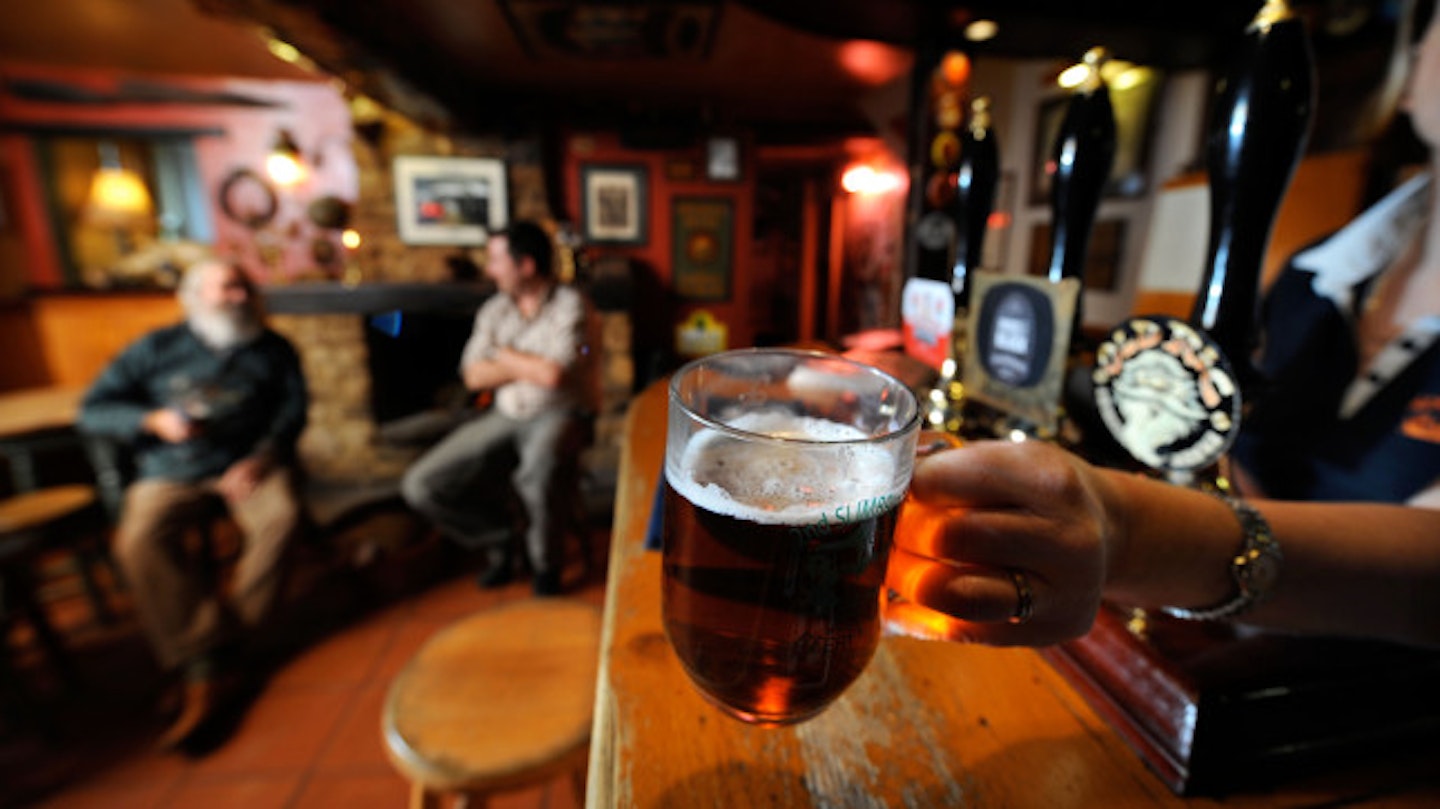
x=249, y=399
x=1321, y=429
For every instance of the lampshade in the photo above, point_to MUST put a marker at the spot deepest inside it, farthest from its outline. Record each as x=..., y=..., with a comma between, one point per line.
x=118, y=198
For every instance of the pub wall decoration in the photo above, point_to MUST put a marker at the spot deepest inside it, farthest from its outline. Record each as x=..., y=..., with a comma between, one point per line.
x=450, y=200
x=703, y=242
x=613, y=204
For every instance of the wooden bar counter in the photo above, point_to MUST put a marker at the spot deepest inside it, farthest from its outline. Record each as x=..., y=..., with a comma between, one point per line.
x=927, y=725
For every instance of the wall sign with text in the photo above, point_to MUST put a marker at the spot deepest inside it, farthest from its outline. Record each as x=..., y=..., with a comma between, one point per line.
x=1019, y=331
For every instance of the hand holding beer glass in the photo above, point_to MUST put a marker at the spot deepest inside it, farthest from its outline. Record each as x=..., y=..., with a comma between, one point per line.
x=784, y=473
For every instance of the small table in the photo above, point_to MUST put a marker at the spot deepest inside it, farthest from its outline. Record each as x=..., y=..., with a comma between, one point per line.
x=35, y=419
x=927, y=724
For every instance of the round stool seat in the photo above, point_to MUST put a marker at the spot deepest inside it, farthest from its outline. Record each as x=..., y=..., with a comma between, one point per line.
x=497, y=700
x=31, y=510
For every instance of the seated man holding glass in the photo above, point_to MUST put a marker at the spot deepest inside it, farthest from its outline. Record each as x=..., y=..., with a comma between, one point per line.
x=210, y=408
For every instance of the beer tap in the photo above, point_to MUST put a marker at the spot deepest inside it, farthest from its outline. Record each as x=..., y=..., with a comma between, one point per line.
x=928, y=300
x=1260, y=121
x=1171, y=392
x=975, y=180
x=976, y=177
x=1083, y=154
x=1020, y=349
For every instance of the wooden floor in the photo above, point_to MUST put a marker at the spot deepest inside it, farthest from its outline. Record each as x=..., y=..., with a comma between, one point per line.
x=311, y=736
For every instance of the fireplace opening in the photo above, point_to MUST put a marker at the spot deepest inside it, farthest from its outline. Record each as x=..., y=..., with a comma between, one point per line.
x=414, y=363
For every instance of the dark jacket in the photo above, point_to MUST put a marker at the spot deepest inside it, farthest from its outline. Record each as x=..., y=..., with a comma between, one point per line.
x=250, y=399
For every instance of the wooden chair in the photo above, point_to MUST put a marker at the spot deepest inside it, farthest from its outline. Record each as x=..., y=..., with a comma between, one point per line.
x=44, y=522
x=496, y=701
x=33, y=525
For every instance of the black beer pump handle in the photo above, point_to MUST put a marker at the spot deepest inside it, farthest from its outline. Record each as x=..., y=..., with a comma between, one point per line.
x=1259, y=123
x=975, y=181
x=1083, y=154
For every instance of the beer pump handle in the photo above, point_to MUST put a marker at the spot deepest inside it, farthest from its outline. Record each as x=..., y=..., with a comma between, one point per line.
x=1259, y=124
x=1083, y=154
x=975, y=181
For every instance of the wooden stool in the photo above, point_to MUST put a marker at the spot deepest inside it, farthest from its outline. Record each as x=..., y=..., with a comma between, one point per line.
x=496, y=701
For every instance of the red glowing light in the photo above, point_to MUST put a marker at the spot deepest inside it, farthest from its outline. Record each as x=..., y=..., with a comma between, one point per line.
x=873, y=63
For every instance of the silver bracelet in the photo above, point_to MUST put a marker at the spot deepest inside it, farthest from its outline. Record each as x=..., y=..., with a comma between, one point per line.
x=1255, y=567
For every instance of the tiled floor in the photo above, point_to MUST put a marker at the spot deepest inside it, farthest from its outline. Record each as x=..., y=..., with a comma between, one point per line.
x=311, y=737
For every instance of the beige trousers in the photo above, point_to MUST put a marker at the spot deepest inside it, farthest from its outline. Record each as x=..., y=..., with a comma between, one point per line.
x=181, y=611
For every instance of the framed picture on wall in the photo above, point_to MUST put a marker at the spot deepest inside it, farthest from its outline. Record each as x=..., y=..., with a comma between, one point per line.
x=1134, y=110
x=703, y=241
x=1104, y=253
x=722, y=159
x=449, y=200
x=613, y=204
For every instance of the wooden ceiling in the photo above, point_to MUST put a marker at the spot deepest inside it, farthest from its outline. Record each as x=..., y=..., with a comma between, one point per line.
x=790, y=69
x=140, y=36
x=789, y=66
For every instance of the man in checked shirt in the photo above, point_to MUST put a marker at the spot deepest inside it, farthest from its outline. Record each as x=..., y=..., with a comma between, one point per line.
x=529, y=346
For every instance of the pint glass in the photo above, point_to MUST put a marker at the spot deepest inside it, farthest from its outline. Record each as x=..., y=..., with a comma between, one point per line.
x=784, y=472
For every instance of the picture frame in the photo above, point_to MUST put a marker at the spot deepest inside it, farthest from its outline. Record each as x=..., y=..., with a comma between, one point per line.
x=722, y=159
x=1134, y=110
x=1104, y=253
x=453, y=201
x=613, y=204
x=703, y=244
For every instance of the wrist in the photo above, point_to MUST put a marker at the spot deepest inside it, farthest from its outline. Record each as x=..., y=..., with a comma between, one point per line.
x=1118, y=489
x=1170, y=544
x=1254, y=567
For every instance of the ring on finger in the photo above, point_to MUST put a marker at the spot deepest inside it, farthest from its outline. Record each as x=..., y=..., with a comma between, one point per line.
x=1024, y=597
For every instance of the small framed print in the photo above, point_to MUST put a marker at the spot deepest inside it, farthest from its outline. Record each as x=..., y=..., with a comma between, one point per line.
x=1104, y=253
x=722, y=159
x=449, y=200
x=613, y=204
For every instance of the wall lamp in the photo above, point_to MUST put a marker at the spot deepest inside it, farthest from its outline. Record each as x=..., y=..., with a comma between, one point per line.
x=118, y=198
x=864, y=179
x=284, y=164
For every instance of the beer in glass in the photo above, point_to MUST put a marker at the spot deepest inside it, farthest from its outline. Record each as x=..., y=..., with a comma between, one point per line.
x=784, y=471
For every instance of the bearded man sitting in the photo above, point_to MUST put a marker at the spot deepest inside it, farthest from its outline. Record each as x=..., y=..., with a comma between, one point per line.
x=211, y=407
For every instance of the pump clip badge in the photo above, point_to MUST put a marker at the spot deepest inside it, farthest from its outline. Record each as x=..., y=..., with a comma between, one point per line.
x=1167, y=394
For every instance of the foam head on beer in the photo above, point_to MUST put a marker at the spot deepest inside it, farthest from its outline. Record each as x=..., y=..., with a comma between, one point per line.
x=772, y=482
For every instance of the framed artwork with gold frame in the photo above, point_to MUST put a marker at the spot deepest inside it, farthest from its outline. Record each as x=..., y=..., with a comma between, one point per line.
x=703, y=241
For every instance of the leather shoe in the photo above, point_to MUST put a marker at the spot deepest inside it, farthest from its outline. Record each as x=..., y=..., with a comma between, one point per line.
x=500, y=572
x=546, y=583
x=200, y=699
